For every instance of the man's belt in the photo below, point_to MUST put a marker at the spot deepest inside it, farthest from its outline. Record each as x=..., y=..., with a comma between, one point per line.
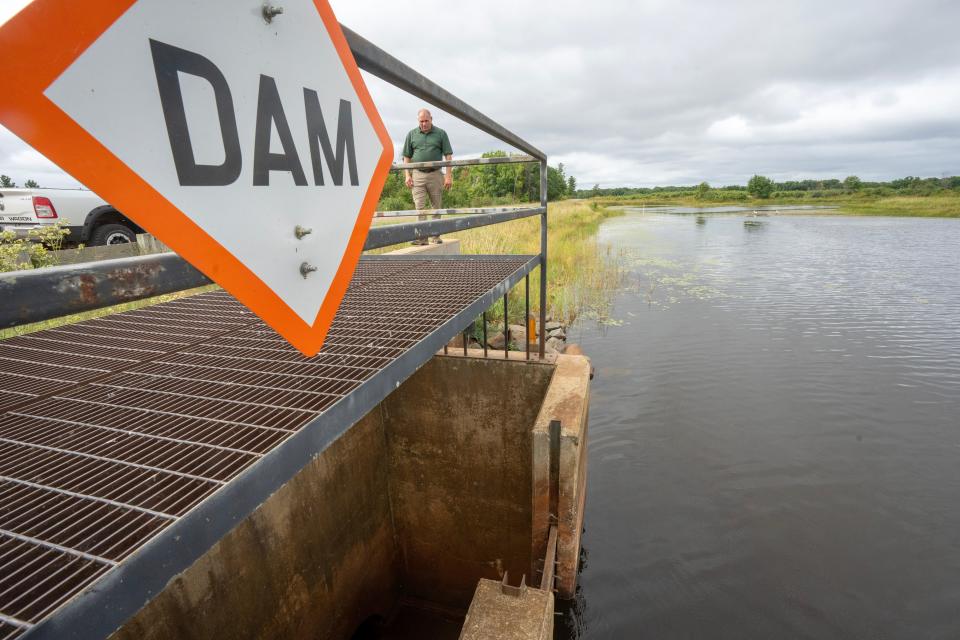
x=430, y=170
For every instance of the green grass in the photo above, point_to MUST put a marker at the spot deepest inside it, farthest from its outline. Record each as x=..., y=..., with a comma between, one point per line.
x=944, y=204
x=937, y=206
x=581, y=274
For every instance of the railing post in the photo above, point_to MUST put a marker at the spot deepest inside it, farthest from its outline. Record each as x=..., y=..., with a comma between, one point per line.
x=543, y=256
x=526, y=314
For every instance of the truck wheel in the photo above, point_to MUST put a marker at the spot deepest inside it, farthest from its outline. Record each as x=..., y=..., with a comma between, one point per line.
x=112, y=234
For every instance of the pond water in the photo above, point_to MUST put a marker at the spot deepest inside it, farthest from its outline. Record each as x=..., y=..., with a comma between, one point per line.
x=775, y=431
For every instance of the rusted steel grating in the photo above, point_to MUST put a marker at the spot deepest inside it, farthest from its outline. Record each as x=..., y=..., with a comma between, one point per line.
x=114, y=428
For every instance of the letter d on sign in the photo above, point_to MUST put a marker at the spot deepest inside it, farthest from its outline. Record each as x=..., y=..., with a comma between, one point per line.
x=168, y=63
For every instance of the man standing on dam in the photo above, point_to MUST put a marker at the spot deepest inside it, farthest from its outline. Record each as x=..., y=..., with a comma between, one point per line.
x=427, y=143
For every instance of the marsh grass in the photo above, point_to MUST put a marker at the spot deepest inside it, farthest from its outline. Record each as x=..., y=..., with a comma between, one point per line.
x=582, y=274
x=945, y=204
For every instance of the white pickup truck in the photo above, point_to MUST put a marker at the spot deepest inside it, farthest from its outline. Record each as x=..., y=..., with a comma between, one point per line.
x=90, y=219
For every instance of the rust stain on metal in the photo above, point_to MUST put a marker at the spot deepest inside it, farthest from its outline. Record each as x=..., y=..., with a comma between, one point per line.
x=133, y=282
x=87, y=286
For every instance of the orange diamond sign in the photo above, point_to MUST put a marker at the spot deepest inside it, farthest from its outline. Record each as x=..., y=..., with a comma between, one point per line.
x=239, y=134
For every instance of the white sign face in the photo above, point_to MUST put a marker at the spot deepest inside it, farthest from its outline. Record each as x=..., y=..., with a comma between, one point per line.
x=250, y=129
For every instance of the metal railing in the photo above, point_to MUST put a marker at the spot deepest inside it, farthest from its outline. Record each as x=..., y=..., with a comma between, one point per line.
x=37, y=295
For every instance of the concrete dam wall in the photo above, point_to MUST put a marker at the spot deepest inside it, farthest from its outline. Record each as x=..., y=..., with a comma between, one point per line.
x=439, y=486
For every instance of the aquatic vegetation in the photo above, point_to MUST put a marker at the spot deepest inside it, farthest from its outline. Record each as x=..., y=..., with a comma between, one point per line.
x=663, y=283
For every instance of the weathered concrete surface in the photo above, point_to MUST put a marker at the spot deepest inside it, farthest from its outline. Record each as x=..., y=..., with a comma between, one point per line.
x=459, y=439
x=315, y=560
x=148, y=244
x=567, y=401
x=495, y=615
x=428, y=493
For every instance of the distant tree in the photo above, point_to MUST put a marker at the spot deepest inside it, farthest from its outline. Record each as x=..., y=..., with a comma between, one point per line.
x=556, y=185
x=31, y=184
x=760, y=186
x=852, y=183
x=702, y=190
x=571, y=186
x=6, y=182
x=595, y=191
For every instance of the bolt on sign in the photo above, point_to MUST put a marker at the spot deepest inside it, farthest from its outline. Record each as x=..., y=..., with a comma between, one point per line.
x=240, y=134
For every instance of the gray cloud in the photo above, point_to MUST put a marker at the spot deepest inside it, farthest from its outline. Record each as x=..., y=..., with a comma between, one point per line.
x=656, y=92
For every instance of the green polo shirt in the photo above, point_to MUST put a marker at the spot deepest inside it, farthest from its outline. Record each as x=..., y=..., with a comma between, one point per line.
x=427, y=147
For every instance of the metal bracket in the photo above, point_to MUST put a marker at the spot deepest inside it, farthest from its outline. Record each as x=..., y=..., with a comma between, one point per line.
x=516, y=592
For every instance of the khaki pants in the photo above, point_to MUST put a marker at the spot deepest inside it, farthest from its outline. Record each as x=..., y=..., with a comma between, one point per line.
x=427, y=192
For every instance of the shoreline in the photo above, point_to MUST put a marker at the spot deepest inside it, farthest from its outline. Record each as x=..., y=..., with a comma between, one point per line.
x=886, y=209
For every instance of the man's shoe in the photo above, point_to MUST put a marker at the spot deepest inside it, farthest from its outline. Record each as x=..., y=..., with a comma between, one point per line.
x=436, y=240
x=419, y=243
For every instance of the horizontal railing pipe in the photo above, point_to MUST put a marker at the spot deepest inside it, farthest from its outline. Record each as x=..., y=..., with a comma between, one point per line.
x=375, y=60
x=391, y=234
x=465, y=162
x=403, y=213
x=36, y=295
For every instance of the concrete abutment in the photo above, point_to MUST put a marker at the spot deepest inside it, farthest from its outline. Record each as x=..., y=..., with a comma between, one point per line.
x=442, y=487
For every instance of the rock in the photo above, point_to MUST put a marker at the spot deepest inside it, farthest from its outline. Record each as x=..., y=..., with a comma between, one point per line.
x=496, y=341
x=554, y=345
x=553, y=325
x=518, y=334
x=557, y=333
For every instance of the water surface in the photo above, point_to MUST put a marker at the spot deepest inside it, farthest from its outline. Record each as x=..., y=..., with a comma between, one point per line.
x=775, y=440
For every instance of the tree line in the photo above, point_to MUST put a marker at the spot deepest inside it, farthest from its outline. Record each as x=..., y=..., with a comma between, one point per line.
x=7, y=183
x=763, y=187
x=485, y=185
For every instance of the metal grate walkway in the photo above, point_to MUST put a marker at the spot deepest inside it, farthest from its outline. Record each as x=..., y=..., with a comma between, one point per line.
x=118, y=429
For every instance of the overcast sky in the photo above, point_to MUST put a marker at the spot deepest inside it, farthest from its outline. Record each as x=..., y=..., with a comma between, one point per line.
x=644, y=93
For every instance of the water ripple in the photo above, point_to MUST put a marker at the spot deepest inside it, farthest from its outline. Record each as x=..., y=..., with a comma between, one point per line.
x=774, y=432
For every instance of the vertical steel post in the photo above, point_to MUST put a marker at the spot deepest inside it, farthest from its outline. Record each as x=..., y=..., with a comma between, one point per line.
x=506, y=328
x=484, y=334
x=543, y=256
x=464, y=342
x=526, y=313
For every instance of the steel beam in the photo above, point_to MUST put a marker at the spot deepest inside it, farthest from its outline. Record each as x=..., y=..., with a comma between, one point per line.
x=447, y=212
x=467, y=162
x=41, y=294
x=397, y=233
x=375, y=60
x=543, y=257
